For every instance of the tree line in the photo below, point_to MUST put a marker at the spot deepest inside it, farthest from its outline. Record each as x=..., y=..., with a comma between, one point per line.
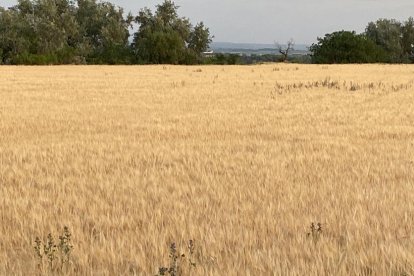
x=96, y=32
x=385, y=41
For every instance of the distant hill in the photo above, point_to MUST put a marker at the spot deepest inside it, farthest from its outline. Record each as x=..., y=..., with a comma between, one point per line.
x=252, y=48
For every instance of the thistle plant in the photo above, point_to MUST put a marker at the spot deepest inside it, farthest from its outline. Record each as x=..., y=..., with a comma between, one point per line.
x=49, y=249
x=315, y=231
x=51, y=252
x=65, y=246
x=175, y=267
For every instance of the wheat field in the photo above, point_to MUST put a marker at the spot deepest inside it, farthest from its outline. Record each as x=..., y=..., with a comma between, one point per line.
x=240, y=160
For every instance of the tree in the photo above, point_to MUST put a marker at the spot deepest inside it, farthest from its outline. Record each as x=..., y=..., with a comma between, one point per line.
x=46, y=26
x=408, y=40
x=199, y=41
x=92, y=31
x=36, y=32
x=64, y=31
x=285, y=51
x=164, y=37
x=346, y=47
x=12, y=35
x=103, y=32
x=387, y=34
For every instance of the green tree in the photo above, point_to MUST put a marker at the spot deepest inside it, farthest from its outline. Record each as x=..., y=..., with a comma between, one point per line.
x=11, y=43
x=408, y=40
x=103, y=32
x=346, y=47
x=199, y=41
x=36, y=32
x=64, y=31
x=387, y=34
x=92, y=31
x=164, y=37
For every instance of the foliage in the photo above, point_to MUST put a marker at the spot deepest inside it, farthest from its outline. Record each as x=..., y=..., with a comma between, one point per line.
x=407, y=40
x=177, y=261
x=57, y=255
x=224, y=59
x=97, y=32
x=395, y=38
x=37, y=32
x=164, y=37
x=346, y=47
x=386, y=34
x=91, y=31
x=104, y=32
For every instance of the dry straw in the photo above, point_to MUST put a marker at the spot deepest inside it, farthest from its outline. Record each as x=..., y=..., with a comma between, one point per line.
x=272, y=170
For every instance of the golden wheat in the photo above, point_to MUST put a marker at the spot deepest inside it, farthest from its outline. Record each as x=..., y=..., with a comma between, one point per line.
x=240, y=159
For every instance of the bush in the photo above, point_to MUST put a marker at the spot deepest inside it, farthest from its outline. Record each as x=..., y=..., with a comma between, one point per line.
x=346, y=47
x=34, y=59
x=223, y=59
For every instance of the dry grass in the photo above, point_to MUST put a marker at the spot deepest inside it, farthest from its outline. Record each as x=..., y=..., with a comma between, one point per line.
x=240, y=159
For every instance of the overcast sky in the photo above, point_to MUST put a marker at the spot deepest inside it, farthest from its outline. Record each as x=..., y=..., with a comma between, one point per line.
x=267, y=21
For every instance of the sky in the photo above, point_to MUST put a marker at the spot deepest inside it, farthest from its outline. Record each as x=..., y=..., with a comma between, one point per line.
x=269, y=21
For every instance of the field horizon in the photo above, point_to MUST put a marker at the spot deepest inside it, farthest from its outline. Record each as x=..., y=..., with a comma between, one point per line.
x=274, y=169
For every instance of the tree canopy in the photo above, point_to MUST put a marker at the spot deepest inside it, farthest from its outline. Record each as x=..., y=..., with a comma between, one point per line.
x=346, y=47
x=385, y=40
x=91, y=31
x=164, y=37
x=98, y=32
x=395, y=38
